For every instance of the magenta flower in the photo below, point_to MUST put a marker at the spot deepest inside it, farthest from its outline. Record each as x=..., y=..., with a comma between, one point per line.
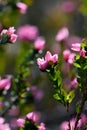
x=73, y=83
x=66, y=54
x=20, y=122
x=50, y=58
x=62, y=34
x=5, y=83
x=10, y=33
x=76, y=47
x=82, y=53
x=43, y=64
x=14, y=111
x=42, y=126
x=28, y=32
x=22, y=7
x=39, y=43
x=68, y=6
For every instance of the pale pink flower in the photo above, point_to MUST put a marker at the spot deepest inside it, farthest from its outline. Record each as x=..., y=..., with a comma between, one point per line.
x=20, y=122
x=4, y=126
x=64, y=125
x=13, y=38
x=5, y=83
x=50, y=58
x=28, y=32
x=62, y=34
x=22, y=7
x=11, y=30
x=34, y=116
x=66, y=54
x=10, y=33
x=42, y=126
x=42, y=63
x=76, y=47
x=4, y=31
x=71, y=58
x=39, y=43
x=82, y=53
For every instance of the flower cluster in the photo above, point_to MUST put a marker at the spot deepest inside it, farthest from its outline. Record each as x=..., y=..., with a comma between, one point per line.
x=31, y=120
x=8, y=36
x=49, y=60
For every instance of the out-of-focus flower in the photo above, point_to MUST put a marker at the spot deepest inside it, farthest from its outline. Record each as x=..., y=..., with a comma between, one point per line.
x=5, y=83
x=73, y=83
x=71, y=58
x=66, y=54
x=50, y=58
x=72, y=40
x=38, y=94
x=68, y=6
x=4, y=126
x=76, y=47
x=42, y=63
x=82, y=53
x=65, y=124
x=9, y=35
x=34, y=116
x=14, y=111
x=83, y=119
x=22, y=7
x=42, y=126
x=39, y=43
x=62, y=34
x=20, y=122
x=13, y=123
x=28, y=32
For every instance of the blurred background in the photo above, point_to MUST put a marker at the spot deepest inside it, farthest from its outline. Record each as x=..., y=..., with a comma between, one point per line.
x=49, y=16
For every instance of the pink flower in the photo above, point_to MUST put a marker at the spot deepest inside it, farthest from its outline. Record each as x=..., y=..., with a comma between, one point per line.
x=68, y=6
x=42, y=126
x=13, y=38
x=42, y=63
x=82, y=53
x=62, y=34
x=34, y=116
x=73, y=83
x=76, y=47
x=20, y=122
x=38, y=94
x=5, y=83
x=71, y=58
x=22, y=7
x=39, y=43
x=66, y=54
x=28, y=32
x=4, y=126
x=50, y=58
x=64, y=125
x=14, y=111
x=10, y=32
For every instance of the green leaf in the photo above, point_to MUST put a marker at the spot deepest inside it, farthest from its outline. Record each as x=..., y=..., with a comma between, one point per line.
x=70, y=96
x=77, y=108
x=77, y=65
